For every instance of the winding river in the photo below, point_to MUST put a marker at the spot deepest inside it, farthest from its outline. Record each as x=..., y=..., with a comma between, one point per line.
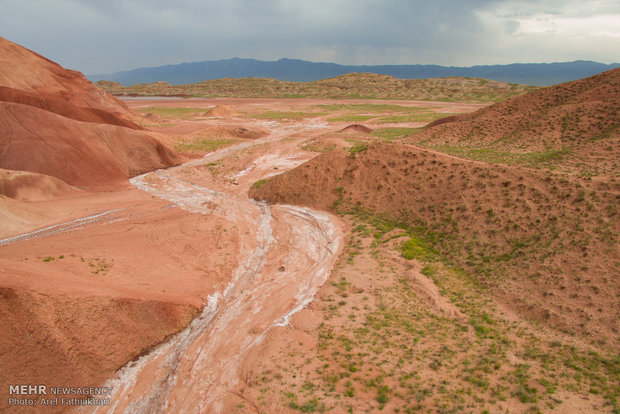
x=285, y=256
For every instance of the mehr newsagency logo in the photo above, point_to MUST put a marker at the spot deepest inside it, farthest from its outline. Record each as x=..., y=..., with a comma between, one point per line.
x=41, y=395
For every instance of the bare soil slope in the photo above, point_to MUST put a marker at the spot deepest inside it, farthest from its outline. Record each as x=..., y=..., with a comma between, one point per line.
x=55, y=122
x=32, y=79
x=26, y=186
x=78, y=153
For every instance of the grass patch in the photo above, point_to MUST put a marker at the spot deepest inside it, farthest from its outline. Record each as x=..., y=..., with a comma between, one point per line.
x=180, y=113
x=206, y=144
x=415, y=117
x=531, y=159
x=351, y=118
x=316, y=147
x=277, y=115
x=391, y=134
x=258, y=183
x=418, y=248
x=371, y=108
x=358, y=146
x=385, y=113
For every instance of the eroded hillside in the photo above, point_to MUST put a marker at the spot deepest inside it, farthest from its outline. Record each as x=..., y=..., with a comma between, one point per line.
x=572, y=126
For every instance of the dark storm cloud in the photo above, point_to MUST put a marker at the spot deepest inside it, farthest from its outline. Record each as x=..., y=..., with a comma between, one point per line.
x=97, y=36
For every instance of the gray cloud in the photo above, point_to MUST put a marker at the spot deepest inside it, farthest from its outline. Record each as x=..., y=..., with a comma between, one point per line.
x=102, y=36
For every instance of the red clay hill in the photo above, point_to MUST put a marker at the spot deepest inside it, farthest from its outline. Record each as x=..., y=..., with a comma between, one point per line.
x=578, y=121
x=56, y=122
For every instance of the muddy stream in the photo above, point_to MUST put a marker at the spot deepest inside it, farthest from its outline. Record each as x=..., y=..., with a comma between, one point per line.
x=285, y=255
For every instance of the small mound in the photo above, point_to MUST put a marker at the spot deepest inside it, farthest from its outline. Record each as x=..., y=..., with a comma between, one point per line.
x=441, y=121
x=154, y=117
x=221, y=111
x=228, y=131
x=356, y=128
x=27, y=186
x=241, y=132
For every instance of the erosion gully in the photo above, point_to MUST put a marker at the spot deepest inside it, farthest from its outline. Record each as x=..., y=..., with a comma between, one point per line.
x=285, y=256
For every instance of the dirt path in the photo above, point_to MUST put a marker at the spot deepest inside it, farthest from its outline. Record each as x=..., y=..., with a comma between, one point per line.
x=285, y=256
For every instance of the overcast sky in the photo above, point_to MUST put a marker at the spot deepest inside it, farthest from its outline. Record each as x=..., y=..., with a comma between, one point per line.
x=103, y=36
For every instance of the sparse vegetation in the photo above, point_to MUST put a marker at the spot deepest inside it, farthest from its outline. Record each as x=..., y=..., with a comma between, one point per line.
x=539, y=159
x=173, y=112
x=351, y=86
x=405, y=355
x=204, y=145
x=391, y=134
x=278, y=116
x=259, y=183
x=452, y=265
x=358, y=146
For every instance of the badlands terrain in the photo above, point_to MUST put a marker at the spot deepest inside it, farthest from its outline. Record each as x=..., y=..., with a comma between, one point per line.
x=259, y=255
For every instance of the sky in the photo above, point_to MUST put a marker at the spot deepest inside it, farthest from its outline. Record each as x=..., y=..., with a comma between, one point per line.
x=104, y=36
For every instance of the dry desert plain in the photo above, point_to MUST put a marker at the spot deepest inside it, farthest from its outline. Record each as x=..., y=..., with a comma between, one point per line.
x=321, y=255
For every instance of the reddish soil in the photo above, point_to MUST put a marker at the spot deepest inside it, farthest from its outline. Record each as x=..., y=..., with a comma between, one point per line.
x=177, y=290
x=79, y=302
x=55, y=122
x=26, y=186
x=79, y=153
x=34, y=80
x=118, y=272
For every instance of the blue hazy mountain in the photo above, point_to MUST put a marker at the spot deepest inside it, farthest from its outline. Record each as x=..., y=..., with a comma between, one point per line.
x=540, y=74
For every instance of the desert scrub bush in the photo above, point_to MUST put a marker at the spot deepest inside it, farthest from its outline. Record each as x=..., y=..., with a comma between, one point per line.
x=259, y=183
x=180, y=113
x=316, y=147
x=382, y=395
x=391, y=134
x=531, y=159
x=358, y=146
x=418, y=248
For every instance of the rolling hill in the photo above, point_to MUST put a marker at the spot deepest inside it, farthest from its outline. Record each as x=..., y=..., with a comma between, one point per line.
x=56, y=122
x=574, y=126
x=351, y=86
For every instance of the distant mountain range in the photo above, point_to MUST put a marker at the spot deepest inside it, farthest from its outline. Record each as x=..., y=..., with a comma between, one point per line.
x=539, y=74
